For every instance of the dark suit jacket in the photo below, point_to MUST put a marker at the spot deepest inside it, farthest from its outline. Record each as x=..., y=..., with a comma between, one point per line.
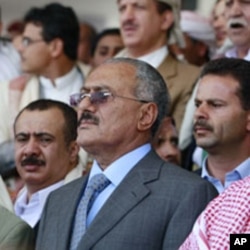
x=153, y=208
x=180, y=79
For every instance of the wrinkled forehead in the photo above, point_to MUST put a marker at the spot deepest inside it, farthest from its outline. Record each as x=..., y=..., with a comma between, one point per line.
x=117, y=75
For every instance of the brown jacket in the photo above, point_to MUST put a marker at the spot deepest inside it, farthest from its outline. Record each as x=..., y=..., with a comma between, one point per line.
x=180, y=78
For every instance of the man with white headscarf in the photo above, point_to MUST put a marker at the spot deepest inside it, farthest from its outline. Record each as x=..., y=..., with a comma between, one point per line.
x=199, y=37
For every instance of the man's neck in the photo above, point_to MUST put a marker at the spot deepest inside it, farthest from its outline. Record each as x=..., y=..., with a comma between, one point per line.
x=219, y=165
x=58, y=70
x=242, y=51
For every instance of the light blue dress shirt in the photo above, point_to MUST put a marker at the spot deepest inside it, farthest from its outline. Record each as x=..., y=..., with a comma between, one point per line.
x=115, y=172
x=240, y=172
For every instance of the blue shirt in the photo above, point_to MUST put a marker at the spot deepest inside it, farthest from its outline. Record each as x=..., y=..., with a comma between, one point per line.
x=115, y=172
x=240, y=172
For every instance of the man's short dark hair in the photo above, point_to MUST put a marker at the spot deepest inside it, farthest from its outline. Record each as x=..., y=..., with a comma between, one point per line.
x=238, y=69
x=57, y=21
x=69, y=114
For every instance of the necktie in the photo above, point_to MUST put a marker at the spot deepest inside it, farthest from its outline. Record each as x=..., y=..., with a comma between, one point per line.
x=95, y=186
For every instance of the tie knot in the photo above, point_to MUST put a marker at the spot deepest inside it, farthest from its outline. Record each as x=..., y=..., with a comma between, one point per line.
x=98, y=182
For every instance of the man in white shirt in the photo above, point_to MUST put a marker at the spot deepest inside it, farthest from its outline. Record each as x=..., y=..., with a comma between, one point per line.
x=147, y=26
x=46, y=154
x=49, y=56
x=237, y=15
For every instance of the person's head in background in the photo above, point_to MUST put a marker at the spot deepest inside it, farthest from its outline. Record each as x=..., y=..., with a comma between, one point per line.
x=237, y=13
x=165, y=141
x=50, y=40
x=199, y=37
x=14, y=32
x=106, y=45
x=86, y=39
x=147, y=25
x=45, y=134
x=219, y=24
x=15, y=28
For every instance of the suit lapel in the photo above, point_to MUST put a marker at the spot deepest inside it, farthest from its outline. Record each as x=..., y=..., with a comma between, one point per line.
x=131, y=191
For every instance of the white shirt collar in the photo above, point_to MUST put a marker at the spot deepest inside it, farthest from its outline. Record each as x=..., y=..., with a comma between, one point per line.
x=31, y=212
x=232, y=53
x=154, y=58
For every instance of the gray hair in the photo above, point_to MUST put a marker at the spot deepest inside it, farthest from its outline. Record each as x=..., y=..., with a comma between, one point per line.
x=150, y=86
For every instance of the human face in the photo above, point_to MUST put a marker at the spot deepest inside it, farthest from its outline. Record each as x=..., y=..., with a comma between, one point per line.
x=116, y=126
x=194, y=51
x=219, y=23
x=41, y=154
x=237, y=13
x=107, y=47
x=35, y=56
x=220, y=122
x=166, y=142
x=143, y=29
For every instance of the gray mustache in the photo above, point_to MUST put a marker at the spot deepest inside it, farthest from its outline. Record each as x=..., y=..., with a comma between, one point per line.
x=236, y=21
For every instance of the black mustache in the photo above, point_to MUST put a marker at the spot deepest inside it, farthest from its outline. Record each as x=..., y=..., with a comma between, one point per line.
x=203, y=124
x=88, y=116
x=32, y=160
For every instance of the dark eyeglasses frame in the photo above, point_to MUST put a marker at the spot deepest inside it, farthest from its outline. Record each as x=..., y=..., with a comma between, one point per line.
x=98, y=97
x=26, y=41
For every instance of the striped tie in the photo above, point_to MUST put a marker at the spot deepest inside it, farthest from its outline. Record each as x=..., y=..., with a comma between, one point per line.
x=95, y=186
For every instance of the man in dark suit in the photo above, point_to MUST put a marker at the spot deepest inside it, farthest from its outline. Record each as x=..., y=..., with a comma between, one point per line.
x=149, y=204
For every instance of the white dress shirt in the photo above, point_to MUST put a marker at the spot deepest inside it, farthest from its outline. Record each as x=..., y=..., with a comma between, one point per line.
x=31, y=211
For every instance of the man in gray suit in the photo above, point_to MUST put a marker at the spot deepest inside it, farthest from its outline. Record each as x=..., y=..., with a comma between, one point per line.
x=149, y=204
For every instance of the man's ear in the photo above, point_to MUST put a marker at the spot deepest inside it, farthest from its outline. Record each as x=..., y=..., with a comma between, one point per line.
x=167, y=20
x=56, y=47
x=73, y=151
x=147, y=116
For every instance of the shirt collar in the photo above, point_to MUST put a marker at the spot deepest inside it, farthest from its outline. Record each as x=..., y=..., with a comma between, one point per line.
x=154, y=58
x=117, y=171
x=232, y=53
x=40, y=195
x=242, y=170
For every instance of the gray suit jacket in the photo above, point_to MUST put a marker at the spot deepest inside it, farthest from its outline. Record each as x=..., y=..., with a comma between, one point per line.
x=153, y=208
